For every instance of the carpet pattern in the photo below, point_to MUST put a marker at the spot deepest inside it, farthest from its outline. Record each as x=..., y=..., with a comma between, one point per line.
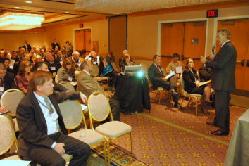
x=119, y=156
x=165, y=137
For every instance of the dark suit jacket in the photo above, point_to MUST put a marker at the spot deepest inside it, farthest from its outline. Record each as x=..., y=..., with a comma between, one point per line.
x=9, y=82
x=189, y=80
x=224, y=63
x=155, y=75
x=32, y=125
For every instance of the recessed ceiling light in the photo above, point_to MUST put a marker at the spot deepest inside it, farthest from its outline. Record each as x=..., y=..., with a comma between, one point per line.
x=28, y=2
x=66, y=12
x=17, y=7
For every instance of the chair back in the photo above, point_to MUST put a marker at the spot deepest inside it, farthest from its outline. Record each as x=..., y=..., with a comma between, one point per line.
x=7, y=136
x=72, y=113
x=98, y=106
x=10, y=100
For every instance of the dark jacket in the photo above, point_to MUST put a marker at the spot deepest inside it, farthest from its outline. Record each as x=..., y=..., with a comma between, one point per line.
x=189, y=79
x=155, y=75
x=9, y=82
x=32, y=125
x=223, y=65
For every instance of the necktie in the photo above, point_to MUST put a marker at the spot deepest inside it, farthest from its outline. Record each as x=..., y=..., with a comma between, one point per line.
x=49, y=105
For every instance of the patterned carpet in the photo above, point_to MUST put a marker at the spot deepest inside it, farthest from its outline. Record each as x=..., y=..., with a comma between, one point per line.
x=165, y=137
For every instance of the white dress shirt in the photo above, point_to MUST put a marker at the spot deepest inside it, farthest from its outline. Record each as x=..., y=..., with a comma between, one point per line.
x=51, y=119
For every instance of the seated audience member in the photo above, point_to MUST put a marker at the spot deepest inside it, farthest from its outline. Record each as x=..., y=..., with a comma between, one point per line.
x=61, y=93
x=87, y=85
x=55, y=45
x=27, y=46
x=126, y=61
x=94, y=57
x=52, y=65
x=8, y=66
x=2, y=55
x=158, y=78
x=175, y=62
x=172, y=66
x=93, y=68
x=23, y=76
x=110, y=59
x=205, y=73
x=106, y=70
x=6, y=79
x=43, y=136
x=76, y=59
x=192, y=83
x=122, y=60
x=67, y=72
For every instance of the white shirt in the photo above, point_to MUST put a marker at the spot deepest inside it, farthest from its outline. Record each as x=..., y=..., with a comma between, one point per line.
x=51, y=119
x=225, y=43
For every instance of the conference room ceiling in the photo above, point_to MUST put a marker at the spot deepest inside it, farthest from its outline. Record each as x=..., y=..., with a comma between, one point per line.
x=131, y=6
x=53, y=10
x=59, y=10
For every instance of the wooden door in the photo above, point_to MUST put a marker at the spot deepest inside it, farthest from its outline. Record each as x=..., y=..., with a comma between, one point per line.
x=188, y=39
x=239, y=29
x=194, y=41
x=79, y=42
x=87, y=40
x=83, y=39
x=117, y=36
x=172, y=38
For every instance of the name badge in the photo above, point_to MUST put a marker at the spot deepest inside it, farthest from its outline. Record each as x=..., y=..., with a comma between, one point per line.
x=1, y=89
x=52, y=68
x=70, y=78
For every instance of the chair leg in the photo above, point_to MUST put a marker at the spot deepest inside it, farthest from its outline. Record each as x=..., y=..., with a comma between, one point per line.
x=159, y=97
x=105, y=153
x=196, y=108
x=131, y=141
x=108, y=162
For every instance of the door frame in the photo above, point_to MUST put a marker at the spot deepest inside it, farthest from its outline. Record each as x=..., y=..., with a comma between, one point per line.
x=159, y=28
x=77, y=29
x=216, y=20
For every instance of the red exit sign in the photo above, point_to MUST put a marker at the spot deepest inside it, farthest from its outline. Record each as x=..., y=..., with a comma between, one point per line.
x=212, y=13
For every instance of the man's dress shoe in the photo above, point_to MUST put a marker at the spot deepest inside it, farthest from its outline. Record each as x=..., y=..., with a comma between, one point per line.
x=220, y=132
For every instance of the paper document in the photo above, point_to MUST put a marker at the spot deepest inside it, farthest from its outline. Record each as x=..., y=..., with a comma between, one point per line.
x=14, y=163
x=171, y=74
x=179, y=69
x=83, y=107
x=203, y=83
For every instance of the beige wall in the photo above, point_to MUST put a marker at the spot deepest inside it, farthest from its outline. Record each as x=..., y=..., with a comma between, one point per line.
x=12, y=40
x=60, y=32
x=143, y=29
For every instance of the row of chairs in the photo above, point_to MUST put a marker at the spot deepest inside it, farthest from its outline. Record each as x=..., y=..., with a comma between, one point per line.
x=193, y=99
x=98, y=110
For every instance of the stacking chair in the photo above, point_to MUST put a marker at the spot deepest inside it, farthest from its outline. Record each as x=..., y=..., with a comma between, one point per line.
x=7, y=136
x=73, y=117
x=194, y=99
x=99, y=110
x=10, y=100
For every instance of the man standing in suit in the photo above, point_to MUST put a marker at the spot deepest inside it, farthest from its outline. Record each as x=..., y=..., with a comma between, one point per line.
x=223, y=64
x=43, y=137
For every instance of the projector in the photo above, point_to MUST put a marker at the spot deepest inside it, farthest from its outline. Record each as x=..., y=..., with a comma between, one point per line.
x=134, y=70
